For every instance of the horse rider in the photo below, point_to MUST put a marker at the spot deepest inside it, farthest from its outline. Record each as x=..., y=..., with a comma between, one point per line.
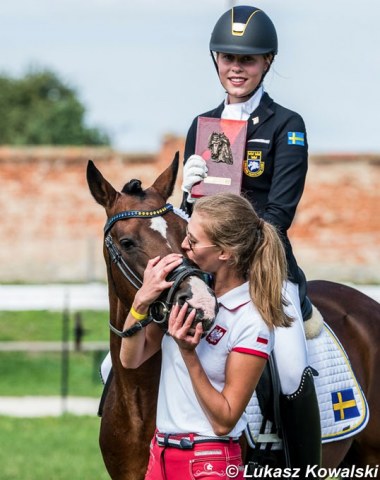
x=243, y=46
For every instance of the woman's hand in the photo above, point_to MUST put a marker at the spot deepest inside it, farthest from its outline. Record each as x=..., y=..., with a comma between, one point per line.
x=180, y=328
x=154, y=282
x=194, y=171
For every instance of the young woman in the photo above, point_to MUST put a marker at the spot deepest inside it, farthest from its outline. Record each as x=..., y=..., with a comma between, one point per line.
x=207, y=380
x=243, y=46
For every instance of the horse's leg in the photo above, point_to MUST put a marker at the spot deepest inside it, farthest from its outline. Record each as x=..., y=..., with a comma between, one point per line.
x=113, y=439
x=333, y=453
x=363, y=455
x=125, y=452
x=366, y=447
x=128, y=420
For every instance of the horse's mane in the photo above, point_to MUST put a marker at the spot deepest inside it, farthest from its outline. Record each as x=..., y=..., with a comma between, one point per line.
x=133, y=187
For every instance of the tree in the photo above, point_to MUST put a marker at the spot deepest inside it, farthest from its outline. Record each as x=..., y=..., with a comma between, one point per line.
x=40, y=109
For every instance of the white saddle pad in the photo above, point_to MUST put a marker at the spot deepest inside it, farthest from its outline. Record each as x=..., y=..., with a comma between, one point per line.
x=342, y=405
x=105, y=368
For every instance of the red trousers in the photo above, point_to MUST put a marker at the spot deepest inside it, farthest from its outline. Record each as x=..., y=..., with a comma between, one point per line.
x=205, y=461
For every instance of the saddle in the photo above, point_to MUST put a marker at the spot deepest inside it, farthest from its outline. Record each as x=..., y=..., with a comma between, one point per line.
x=342, y=405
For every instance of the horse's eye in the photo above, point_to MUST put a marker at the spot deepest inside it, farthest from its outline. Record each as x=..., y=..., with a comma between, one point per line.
x=127, y=243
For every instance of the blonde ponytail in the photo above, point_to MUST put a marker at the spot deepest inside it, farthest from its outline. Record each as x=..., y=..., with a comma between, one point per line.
x=267, y=274
x=257, y=251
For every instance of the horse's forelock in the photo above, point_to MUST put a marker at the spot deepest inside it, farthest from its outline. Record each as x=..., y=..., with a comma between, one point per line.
x=133, y=187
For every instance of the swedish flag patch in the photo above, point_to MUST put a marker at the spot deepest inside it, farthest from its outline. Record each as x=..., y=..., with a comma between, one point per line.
x=296, y=138
x=344, y=405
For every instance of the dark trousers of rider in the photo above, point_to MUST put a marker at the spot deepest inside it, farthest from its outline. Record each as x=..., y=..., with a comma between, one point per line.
x=210, y=460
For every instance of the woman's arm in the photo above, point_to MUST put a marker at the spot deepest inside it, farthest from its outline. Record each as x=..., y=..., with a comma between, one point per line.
x=136, y=349
x=243, y=371
x=289, y=174
x=142, y=345
x=223, y=409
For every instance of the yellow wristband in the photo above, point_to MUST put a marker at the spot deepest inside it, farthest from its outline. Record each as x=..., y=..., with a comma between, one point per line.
x=137, y=315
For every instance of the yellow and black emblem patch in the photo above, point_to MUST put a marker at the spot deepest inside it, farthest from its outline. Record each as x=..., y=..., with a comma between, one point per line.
x=253, y=164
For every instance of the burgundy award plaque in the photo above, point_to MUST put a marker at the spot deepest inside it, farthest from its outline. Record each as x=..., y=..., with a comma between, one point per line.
x=221, y=143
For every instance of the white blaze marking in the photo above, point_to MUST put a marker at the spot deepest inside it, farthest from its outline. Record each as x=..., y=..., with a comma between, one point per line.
x=159, y=225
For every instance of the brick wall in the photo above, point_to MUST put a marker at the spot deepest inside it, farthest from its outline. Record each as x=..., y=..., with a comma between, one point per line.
x=51, y=228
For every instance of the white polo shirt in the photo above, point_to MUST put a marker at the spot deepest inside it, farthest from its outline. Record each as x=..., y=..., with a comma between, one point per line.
x=238, y=327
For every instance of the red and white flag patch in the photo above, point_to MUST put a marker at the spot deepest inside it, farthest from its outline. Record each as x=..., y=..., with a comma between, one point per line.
x=215, y=335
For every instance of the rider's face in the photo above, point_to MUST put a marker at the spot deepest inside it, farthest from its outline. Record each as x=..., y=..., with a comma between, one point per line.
x=241, y=74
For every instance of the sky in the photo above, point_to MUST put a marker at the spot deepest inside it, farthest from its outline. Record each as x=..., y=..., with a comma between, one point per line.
x=143, y=69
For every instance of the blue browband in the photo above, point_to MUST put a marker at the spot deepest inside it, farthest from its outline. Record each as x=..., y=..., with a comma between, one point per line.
x=137, y=214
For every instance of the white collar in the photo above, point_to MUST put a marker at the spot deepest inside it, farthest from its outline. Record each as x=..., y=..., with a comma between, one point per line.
x=236, y=297
x=242, y=111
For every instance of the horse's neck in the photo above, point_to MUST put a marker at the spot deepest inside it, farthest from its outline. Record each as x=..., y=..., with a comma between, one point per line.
x=118, y=312
x=119, y=309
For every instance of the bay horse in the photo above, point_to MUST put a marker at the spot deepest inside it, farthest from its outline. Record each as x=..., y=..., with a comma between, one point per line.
x=128, y=419
x=140, y=225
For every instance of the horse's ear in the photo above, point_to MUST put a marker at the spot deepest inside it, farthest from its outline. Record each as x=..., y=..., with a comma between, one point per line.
x=164, y=184
x=101, y=190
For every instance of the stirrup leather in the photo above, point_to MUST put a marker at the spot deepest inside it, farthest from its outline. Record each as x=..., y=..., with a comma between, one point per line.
x=301, y=425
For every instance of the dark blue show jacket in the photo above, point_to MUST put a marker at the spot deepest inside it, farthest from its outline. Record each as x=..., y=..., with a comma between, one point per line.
x=274, y=169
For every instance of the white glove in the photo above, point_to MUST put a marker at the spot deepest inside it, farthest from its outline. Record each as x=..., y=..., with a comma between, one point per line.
x=194, y=171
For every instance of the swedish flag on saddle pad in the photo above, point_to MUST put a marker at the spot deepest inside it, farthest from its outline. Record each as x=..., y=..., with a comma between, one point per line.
x=342, y=405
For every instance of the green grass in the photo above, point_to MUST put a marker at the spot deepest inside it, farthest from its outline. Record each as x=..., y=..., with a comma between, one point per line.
x=28, y=373
x=25, y=373
x=44, y=325
x=51, y=448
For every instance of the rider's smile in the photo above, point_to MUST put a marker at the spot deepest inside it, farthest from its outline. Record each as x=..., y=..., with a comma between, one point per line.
x=240, y=74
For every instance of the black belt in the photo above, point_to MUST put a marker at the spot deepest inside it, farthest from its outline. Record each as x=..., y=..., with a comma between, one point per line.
x=187, y=442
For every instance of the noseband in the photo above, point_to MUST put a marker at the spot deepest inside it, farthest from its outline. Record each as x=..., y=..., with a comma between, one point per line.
x=160, y=309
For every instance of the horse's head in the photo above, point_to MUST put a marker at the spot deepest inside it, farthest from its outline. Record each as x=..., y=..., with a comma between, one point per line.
x=141, y=225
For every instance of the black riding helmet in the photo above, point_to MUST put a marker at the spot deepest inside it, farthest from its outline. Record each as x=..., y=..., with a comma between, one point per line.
x=244, y=30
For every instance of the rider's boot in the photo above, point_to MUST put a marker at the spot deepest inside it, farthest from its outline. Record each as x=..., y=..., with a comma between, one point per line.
x=301, y=426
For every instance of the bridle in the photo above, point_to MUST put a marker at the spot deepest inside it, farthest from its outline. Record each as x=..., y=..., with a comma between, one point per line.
x=160, y=309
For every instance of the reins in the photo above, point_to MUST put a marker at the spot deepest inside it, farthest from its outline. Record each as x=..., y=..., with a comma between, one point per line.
x=132, y=330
